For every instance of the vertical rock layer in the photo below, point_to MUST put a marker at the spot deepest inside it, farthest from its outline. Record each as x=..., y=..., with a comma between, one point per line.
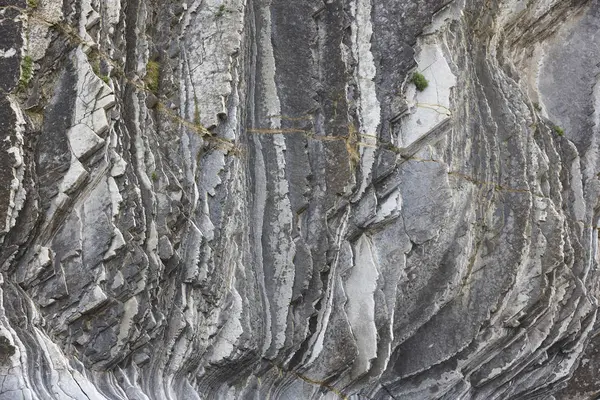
x=250, y=199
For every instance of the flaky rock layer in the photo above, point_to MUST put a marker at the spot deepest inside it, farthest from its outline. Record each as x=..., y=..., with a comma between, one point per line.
x=251, y=199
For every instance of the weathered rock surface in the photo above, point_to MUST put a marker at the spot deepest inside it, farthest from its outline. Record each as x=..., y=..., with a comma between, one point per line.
x=249, y=199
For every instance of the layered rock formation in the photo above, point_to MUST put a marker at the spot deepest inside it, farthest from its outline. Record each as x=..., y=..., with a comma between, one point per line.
x=231, y=199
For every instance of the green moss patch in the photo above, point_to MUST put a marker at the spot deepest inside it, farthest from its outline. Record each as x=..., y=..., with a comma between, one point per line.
x=419, y=80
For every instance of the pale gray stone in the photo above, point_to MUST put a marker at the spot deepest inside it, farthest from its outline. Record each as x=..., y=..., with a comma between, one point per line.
x=251, y=199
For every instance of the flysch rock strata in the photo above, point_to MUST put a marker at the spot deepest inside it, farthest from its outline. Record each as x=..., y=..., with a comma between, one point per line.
x=251, y=199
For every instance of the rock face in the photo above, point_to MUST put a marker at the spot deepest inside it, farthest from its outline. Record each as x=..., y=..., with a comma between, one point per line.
x=250, y=199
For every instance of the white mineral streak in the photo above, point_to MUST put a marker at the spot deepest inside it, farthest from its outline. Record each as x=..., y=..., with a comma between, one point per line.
x=212, y=31
x=46, y=14
x=177, y=244
x=389, y=209
x=74, y=177
x=323, y=325
x=130, y=311
x=260, y=198
x=368, y=105
x=8, y=53
x=90, y=118
x=14, y=373
x=64, y=381
x=360, y=287
x=283, y=279
x=231, y=332
x=15, y=153
x=113, y=12
x=118, y=241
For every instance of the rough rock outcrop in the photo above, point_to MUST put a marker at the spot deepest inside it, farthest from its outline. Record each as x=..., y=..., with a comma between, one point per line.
x=250, y=199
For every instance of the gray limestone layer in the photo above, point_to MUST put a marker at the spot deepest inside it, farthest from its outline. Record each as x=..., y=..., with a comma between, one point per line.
x=251, y=199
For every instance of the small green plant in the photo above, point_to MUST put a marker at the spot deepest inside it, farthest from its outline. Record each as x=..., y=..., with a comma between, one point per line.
x=221, y=11
x=419, y=80
x=32, y=3
x=154, y=176
x=559, y=131
x=26, y=71
x=95, y=63
x=537, y=107
x=152, y=76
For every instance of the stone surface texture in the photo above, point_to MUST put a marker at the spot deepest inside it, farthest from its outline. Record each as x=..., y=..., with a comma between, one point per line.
x=250, y=199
